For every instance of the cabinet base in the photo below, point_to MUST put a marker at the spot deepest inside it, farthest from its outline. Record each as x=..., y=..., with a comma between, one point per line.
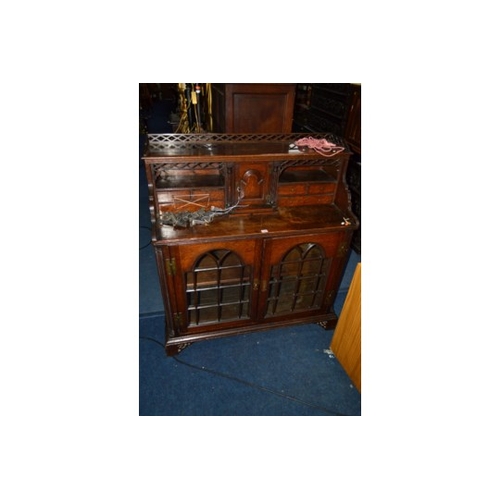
x=328, y=325
x=173, y=350
x=175, y=345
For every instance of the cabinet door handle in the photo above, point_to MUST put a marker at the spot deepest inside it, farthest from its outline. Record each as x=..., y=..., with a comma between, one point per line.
x=255, y=285
x=264, y=286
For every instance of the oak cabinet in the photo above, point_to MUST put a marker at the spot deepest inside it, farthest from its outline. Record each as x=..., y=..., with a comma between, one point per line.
x=249, y=232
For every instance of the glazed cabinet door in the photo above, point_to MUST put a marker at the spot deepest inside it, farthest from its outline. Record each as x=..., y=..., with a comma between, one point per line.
x=214, y=285
x=299, y=274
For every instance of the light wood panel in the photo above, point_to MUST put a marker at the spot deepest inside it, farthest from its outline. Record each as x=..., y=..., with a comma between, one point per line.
x=346, y=340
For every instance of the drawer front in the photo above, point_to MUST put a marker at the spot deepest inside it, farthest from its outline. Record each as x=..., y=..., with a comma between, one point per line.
x=291, y=189
x=296, y=194
x=190, y=199
x=321, y=189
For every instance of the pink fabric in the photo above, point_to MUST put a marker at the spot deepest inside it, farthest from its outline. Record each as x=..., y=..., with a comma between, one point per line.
x=321, y=146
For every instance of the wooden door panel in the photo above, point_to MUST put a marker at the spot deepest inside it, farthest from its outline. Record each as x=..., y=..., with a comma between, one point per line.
x=214, y=284
x=297, y=275
x=189, y=253
x=252, y=184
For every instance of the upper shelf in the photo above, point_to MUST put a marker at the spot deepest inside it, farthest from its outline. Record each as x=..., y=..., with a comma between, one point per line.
x=231, y=145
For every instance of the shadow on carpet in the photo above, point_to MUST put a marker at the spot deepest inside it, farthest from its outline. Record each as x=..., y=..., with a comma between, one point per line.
x=286, y=371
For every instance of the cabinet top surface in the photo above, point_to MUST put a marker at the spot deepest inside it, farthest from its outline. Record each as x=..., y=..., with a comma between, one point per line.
x=225, y=146
x=283, y=222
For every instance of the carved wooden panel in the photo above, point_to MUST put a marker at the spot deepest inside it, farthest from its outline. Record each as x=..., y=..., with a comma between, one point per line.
x=252, y=181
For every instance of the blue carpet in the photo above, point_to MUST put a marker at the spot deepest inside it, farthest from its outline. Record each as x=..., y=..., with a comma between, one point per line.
x=285, y=371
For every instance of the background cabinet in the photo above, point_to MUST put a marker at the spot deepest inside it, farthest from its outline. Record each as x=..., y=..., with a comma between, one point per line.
x=253, y=107
x=335, y=107
x=323, y=107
